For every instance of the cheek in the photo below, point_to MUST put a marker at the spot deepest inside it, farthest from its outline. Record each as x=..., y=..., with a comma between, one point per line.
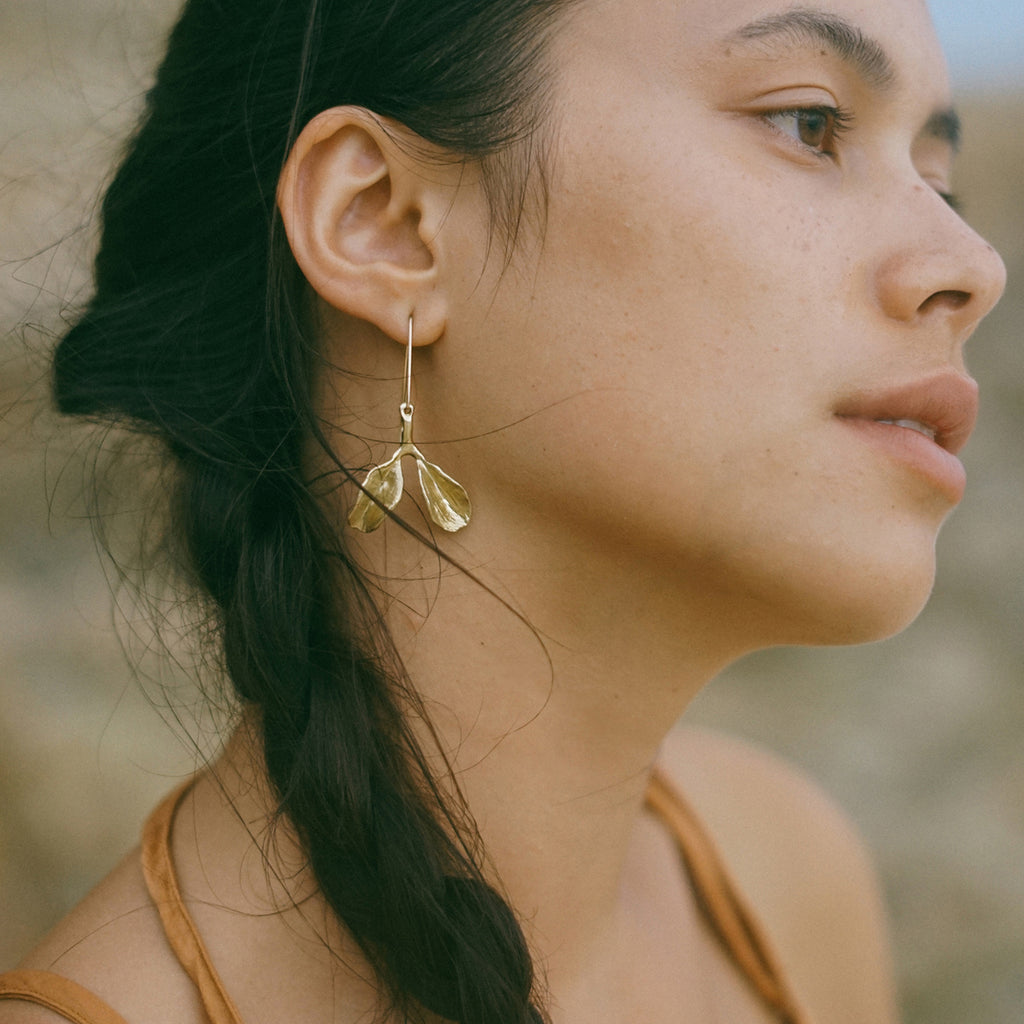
x=655, y=342
x=652, y=235
x=667, y=368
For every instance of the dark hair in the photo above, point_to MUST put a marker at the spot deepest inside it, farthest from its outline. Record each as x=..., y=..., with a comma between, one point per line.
x=196, y=334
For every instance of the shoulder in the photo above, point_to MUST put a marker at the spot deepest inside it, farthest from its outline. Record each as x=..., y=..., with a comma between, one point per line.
x=801, y=864
x=113, y=945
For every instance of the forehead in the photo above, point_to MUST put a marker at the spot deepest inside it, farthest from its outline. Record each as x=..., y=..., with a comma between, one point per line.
x=888, y=42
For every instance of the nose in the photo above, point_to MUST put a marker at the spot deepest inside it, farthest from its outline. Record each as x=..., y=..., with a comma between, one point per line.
x=939, y=268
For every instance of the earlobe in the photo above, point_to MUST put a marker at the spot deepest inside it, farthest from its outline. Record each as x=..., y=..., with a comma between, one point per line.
x=362, y=222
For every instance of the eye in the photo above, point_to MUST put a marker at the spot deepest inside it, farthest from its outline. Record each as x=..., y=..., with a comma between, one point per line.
x=817, y=128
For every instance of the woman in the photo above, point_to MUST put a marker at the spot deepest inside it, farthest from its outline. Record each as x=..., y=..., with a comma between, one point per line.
x=675, y=290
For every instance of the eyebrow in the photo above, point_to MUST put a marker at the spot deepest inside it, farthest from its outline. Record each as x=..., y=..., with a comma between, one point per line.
x=945, y=126
x=822, y=28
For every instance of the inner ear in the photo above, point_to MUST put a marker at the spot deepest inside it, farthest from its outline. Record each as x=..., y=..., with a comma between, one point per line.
x=373, y=228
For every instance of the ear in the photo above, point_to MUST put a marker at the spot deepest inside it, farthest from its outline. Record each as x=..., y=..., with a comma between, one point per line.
x=363, y=214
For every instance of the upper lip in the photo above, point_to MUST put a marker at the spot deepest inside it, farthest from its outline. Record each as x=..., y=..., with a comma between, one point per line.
x=946, y=403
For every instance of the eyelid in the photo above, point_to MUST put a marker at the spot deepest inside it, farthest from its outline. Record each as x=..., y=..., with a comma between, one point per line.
x=795, y=97
x=935, y=168
x=952, y=199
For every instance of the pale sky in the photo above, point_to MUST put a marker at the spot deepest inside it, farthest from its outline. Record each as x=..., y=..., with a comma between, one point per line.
x=984, y=40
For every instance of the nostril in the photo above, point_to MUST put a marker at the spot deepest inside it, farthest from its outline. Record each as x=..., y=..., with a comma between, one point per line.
x=949, y=300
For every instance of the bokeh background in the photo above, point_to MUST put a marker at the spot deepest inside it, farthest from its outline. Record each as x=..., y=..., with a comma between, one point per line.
x=920, y=738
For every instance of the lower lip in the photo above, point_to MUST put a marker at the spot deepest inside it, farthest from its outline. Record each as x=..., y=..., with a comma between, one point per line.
x=943, y=470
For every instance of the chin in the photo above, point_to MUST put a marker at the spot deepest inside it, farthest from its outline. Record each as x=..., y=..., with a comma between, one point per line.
x=867, y=603
x=883, y=618
x=830, y=597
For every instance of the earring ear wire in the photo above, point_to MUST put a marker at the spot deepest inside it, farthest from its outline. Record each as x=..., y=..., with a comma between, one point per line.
x=447, y=500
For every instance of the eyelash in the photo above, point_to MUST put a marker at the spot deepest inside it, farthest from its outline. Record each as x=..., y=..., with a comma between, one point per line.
x=838, y=122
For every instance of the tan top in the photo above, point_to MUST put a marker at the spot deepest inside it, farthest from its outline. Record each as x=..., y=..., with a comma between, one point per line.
x=723, y=907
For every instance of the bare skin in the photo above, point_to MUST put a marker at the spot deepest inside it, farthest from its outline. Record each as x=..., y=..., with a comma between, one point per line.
x=724, y=282
x=658, y=961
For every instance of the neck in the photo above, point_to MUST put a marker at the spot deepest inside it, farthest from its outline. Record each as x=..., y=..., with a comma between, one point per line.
x=551, y=719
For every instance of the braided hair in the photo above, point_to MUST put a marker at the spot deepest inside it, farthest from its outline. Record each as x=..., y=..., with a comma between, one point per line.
x=196, y=334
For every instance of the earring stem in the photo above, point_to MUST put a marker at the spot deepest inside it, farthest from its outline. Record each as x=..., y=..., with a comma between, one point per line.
x=406, y=407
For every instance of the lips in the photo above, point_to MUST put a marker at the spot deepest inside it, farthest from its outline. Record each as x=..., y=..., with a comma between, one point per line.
x=943, y=408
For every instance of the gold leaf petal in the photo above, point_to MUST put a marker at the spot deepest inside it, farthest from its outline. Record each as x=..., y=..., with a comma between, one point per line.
x=446, y=499
x=383, y=483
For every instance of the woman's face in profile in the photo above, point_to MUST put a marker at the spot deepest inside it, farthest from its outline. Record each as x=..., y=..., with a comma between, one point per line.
x=749, y=265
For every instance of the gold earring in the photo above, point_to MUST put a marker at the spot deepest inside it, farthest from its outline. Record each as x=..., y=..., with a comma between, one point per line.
x=447, y=501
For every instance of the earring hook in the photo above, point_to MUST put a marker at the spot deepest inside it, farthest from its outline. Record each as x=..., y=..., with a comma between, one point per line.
x=406, y=408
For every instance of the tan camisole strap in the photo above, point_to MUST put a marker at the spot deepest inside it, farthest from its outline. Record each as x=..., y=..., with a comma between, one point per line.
x=724, y=909
x=61, y=995
x=188, y=946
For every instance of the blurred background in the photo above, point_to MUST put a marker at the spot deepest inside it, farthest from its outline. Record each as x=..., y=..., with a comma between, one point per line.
x=921, y=739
